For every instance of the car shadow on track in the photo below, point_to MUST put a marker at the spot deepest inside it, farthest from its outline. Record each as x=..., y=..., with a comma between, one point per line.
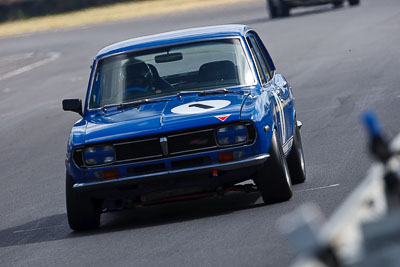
x=55, y=227
x=180, y=211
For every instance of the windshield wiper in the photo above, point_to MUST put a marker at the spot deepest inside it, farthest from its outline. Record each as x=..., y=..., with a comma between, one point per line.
x=220, y=92
x=106, y=107
x=210, y=92
x=187, y=92
x=139, y=103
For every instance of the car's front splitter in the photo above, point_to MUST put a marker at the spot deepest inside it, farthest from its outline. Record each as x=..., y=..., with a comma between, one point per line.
x=257, y=160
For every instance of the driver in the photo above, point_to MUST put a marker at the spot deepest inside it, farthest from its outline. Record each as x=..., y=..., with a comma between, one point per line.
x=138, y=76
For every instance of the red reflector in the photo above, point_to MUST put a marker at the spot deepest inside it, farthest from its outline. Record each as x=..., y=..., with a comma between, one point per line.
x=111, y=174
x=225, y=156
x=215, y=173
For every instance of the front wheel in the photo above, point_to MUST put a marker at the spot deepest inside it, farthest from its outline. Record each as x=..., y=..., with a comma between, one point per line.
x=354, y=2
x=83, y=212
x=273, y=179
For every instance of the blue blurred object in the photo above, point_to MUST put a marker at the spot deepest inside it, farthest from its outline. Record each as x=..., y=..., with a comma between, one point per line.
x=378, y=144
x=371, y=121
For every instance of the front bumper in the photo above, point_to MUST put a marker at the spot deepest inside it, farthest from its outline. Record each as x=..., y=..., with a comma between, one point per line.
x=165, y=175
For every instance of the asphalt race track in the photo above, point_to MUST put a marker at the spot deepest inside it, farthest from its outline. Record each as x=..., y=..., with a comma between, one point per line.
x=339, y=63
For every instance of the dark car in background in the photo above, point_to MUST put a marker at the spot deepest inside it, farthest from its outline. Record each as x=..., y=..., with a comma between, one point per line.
x=281, y=8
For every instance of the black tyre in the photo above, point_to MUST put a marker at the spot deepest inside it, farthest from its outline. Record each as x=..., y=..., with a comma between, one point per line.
x=354, y=2
x=295, y=160
x=272, y=9
x=83, y=212
x=338, y=3
x=273, y=180
x=278, y=9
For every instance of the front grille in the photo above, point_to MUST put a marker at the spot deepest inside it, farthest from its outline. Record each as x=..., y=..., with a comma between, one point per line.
x=193, y=141
x=136, y=150
x=178, y=143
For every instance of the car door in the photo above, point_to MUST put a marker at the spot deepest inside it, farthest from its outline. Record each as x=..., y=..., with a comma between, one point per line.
x=285, y=98
x=268, y=79
x=281, y=91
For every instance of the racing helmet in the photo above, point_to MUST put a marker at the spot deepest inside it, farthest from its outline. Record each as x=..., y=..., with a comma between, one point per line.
x=138, y=74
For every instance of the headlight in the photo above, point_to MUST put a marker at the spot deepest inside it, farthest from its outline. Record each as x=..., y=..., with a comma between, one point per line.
x=231, y=135
x=99, y=155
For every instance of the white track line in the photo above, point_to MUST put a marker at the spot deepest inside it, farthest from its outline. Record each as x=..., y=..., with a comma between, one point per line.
x=52, y=56
x=317, y=188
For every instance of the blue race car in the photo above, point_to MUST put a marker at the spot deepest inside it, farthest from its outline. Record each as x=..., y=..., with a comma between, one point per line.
x=180, y=115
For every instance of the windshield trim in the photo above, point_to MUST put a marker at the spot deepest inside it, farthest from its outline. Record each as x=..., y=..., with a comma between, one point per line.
x=240, y=38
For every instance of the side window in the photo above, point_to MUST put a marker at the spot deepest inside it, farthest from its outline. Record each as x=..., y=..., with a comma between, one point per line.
x=265, y=52
x=261, y=57
x=256, y=59
x=95, y=96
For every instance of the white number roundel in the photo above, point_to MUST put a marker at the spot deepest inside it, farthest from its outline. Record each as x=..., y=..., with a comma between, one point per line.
x=200, y=107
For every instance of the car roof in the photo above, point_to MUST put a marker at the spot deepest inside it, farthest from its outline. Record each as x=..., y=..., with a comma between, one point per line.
x=174, y=37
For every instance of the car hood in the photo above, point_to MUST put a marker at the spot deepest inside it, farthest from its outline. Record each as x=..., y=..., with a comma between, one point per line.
x=154, y=118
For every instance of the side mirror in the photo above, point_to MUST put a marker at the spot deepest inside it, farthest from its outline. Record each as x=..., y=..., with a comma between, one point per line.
x=280, y=80
x=74, y=105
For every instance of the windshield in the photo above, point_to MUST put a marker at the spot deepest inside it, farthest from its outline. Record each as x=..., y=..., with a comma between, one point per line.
x=169, y=70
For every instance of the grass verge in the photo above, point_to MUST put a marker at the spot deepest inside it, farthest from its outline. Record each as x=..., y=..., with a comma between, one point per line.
x=109, y=13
